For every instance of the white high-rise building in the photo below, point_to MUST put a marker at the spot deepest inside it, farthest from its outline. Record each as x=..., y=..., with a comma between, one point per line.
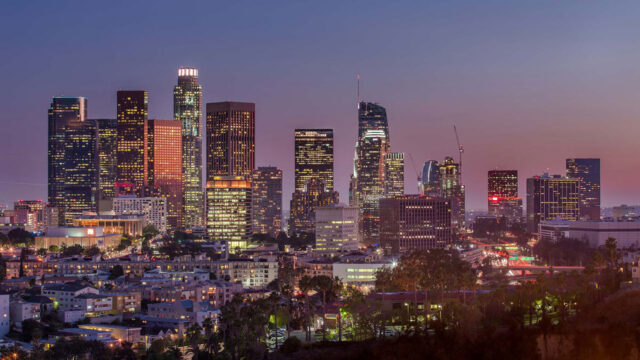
x=152, y=209
x=337, y=228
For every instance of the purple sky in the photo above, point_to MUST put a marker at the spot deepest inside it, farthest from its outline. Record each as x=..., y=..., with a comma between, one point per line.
x=528, y=84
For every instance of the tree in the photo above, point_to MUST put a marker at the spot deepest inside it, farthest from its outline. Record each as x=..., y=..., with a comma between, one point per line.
x=20, y=236
x=329, y=288
x=306, y=284
x=149, y=232
x=116, y=272
x=92, y=251
x=72, y=250
x=41, y=252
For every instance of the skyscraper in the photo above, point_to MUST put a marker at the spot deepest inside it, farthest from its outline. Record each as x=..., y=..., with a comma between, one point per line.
x=370, y=187
x=394, y=174
x=502, y=192
x=164, y=169
x=107, y=162
x=551, y=197
x=313, y=157
x=267, y=200
x=372, y=116
x=229, y=210
x=588, y=172
x=303, y=205
x=451, y=188
x=132, y=150
x=230, y=139
x=187, y=108
x=431, y=179
x=412, y=222
x=72, y=158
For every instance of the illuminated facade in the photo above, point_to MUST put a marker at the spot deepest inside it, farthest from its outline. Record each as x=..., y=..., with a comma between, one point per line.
x=36, y=215
x=153, y=210
x=313, y=157
x=413, y=222
x=502, y=194
x=230, y=139
x=336, y=228
x=588, y=172
x=431, y=179
x=303, y=205
x=107, y=162
x=370, y=187
x=267, y=201
x=367, y=185
x=164, y=168
x=72, y=158
x=451, y=188
x=229, y=211
x=394, y=174
x=550, y=198
x=187, y=108
x=132, y=129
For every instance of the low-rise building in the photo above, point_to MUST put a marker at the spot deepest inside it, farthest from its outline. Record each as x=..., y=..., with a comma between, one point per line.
x=21, y=310
x=92, y=304
x=5, y=313
x=83, y=236
x=63, y=295
x=596, y=232
x=118, y=332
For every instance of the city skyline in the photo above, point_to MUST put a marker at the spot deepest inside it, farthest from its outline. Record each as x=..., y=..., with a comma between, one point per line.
x=437, y=93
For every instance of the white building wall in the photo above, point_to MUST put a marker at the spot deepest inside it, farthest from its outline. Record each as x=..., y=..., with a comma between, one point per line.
x=152, y=209
x=626, y=233
x=5, y=318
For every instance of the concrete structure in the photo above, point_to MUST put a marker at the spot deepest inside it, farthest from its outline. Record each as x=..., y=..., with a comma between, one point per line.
x=112, y=224
x=336, y=228
x=22, y=310
x=153, y=210
x=596, y=233
x=83, y=236
x=553, y=230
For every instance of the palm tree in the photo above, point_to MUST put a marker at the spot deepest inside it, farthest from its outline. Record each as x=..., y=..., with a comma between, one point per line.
x=384, y=278
x=329, y=288
x=306, y=284
x=193, y=337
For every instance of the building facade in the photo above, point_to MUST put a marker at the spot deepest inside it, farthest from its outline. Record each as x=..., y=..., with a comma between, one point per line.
x=107, y=162
x=430, y=179
x=588, y=172
x=452, y=188
x=187, y=108
x=336, y=228
x=153, y=210
x=229, y=211
x=394, y=174
x=413, y=222
x=502, y=191
x=132, y=157
x=72, y=158
x=313, y=157
x=550, y=198
x=303, y=204
x=231, y=142
x=267, y=201
x=164, y=142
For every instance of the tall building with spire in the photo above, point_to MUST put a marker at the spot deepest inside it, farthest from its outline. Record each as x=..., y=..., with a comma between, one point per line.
x=368, y=180
x=131, y=131
x=72, y=158
x=187, y=108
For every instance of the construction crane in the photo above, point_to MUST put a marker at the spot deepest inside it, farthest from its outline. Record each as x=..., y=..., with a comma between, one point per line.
x=460, y=151
x=413, y=163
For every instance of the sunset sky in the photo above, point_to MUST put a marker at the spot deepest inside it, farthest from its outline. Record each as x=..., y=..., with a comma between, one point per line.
x=527, y=83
